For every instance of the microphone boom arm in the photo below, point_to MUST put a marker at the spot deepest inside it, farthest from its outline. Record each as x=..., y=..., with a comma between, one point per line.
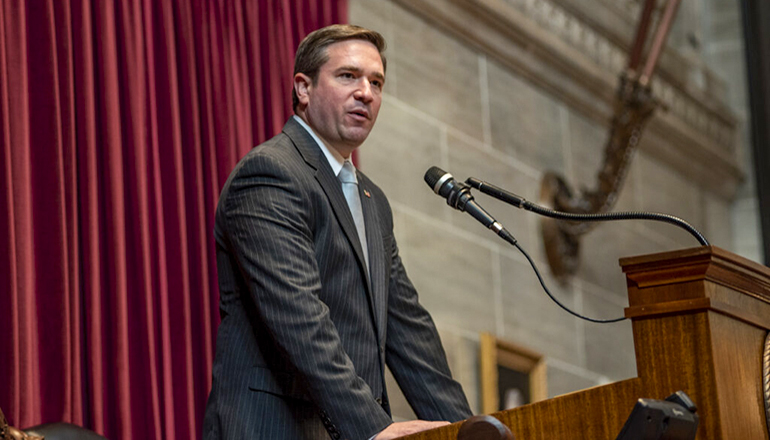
x=522, y=203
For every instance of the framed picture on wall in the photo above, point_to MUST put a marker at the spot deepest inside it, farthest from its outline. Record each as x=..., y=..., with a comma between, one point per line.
x=511, y=375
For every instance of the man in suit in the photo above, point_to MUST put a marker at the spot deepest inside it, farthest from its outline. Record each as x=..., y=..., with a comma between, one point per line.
x=314, y=299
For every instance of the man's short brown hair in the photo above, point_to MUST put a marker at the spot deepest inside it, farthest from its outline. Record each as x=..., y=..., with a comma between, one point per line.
x=311, y=53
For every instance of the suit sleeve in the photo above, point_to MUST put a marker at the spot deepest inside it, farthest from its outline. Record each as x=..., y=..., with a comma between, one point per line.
x=415, y=354
x=269, y=227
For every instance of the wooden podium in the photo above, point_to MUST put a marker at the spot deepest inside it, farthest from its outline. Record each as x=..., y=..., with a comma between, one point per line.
x=700, y=318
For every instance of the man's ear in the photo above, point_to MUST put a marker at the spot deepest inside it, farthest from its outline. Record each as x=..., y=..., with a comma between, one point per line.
x=302, y=84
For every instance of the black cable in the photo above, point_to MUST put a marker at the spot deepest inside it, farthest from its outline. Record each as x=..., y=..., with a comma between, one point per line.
x=521, y=202
x=624, y=215
x=510, y=239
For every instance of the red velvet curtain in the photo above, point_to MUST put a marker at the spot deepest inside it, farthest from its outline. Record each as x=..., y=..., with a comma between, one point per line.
x=119, y=123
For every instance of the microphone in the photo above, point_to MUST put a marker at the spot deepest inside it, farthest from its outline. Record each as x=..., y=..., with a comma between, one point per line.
x=458, y=196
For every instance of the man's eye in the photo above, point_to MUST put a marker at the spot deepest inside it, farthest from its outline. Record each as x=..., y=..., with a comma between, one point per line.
x=347, y=75
x=377, y=84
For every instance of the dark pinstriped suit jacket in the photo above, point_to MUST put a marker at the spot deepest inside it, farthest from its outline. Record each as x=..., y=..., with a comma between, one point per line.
x=305, y=334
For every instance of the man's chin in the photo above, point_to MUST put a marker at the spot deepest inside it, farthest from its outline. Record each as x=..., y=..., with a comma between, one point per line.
x=356, y=137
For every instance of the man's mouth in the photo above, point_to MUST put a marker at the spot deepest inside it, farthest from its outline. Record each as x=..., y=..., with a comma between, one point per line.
x=359, y=113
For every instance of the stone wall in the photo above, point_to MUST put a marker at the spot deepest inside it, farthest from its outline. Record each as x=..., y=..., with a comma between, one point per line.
x=503, y=90
x=723, y=51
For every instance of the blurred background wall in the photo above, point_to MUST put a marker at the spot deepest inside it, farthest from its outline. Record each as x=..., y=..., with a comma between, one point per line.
x=505, y=90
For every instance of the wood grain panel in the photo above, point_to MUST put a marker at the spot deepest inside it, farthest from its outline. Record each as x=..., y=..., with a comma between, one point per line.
x=700, y=317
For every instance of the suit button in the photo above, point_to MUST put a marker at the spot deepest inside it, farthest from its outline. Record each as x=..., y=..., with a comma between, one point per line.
x=379, y=401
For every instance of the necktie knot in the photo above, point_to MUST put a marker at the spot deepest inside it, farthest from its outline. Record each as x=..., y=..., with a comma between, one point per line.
x=348, y=173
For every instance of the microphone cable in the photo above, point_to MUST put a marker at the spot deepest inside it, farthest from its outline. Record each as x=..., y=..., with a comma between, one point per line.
x=443, y=184
x=515, y=243
x=521, y=202
x=553, y=298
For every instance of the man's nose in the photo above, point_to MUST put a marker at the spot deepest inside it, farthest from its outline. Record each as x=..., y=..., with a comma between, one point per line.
x=364, y=91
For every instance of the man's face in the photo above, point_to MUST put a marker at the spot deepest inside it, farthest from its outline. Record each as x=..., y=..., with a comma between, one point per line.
x=343, y=104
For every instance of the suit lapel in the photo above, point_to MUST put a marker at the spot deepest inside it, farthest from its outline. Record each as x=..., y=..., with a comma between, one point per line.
x=331, y=185
x=377, y=258
x=313, y=155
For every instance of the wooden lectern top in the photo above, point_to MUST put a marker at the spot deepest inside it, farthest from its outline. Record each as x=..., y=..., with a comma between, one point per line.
x=700, y=317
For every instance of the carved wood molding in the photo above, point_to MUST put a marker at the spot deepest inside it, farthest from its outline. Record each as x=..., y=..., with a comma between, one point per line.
x=712, y=263
x=552, y=44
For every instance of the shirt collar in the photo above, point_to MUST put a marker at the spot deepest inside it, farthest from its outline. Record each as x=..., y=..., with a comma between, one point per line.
x=334, y=158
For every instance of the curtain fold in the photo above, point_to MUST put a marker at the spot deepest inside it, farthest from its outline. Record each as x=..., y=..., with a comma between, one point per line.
x=120, y=121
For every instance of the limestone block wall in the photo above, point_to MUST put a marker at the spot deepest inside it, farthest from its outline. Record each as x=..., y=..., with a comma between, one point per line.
x=466, y=93
x=723, y=51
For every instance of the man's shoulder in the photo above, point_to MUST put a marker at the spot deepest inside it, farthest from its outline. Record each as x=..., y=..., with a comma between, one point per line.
x=275, y=160
x=293, y=145
x=277, y=152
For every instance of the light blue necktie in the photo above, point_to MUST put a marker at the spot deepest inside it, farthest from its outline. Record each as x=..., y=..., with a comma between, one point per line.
x=349, y=181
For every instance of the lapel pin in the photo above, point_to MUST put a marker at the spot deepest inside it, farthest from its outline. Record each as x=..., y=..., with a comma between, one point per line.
x=366, y=193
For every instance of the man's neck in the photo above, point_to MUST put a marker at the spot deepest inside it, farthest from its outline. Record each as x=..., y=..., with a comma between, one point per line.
x=333, y=156
x=343, y=152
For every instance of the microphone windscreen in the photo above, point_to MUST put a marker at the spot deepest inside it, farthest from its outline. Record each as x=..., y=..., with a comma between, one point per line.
x=433, y=175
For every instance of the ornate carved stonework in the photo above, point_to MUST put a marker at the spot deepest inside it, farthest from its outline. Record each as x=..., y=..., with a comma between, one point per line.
x=555, y=45
x=608, y=55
